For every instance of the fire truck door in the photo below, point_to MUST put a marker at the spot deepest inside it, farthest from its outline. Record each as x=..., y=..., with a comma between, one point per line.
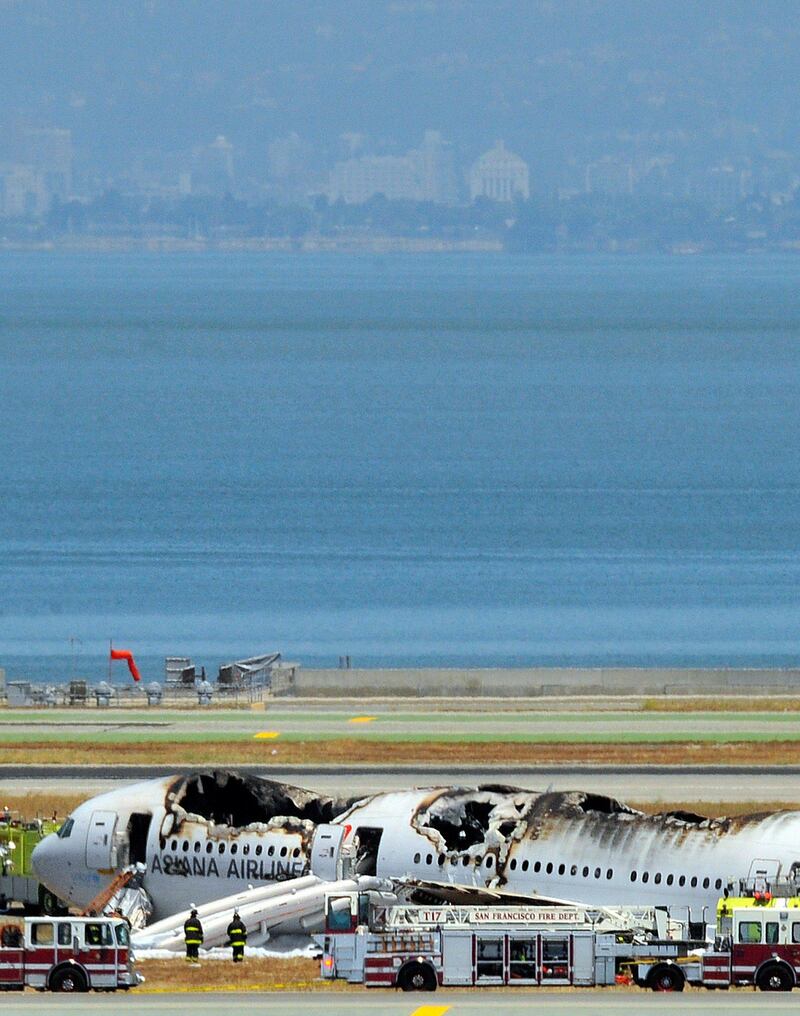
x=457, y=957
x=583, y=957
x=100, y=840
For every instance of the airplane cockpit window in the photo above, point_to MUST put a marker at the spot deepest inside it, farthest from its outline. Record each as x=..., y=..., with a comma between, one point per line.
x=65, y=830
x=750, y=932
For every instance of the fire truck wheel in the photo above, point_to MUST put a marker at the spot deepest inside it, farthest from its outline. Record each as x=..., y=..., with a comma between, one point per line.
x=417, y=977
x=68, y=979
x=666, y=978
x=775, y=978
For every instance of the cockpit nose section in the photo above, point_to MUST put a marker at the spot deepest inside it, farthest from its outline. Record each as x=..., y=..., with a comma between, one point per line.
x=47, y=862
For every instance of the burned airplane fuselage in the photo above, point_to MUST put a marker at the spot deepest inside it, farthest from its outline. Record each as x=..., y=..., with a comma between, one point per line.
x=213, y=833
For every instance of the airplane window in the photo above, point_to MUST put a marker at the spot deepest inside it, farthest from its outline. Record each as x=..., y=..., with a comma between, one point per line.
x=490, y=861
x=514, y=867
x=682, y=880
x=537, y=866
x=586, y=871
x=610, y=873
x=633, y=876
x=718, y=884
x=706, y=883
x=174, y=844
x=65, y=830
x=197, y=847
x=428, y=857
x=693, y=883
x=524, y=865
x=259, y=848
x=416, y=858
x=645, y=876
x=670, y=879
x=284, y=851
x=573, y=870
x=221, y=848
x=478, y=862
x=440, y=860
x=465, y=860
x=597, y=873
x=657, y=878
x=234, y=848
x=246, y=848
x=271, y=851
x=185, y=846
x=209, y=847
x=561, y=869
x=549, y=868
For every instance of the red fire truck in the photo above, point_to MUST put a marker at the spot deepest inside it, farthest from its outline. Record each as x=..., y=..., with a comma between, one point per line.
x=66, y=954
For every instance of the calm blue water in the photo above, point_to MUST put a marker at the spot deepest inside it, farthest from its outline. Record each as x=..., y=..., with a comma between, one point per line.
x=446, y=459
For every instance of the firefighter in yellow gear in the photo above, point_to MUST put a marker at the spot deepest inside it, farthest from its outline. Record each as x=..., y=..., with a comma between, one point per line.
x=237, y=936
x=193, y=936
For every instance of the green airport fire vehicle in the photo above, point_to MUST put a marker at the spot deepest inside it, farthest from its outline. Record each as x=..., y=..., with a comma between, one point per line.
x=18, y=837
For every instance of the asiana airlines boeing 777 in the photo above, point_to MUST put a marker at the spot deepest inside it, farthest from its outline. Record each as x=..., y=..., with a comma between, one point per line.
x=208, y=835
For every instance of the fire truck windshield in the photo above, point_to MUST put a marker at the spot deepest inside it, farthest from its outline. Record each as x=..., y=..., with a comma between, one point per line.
x=123, y=938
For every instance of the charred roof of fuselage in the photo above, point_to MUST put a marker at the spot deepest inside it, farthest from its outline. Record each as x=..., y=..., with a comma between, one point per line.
x=225, y=797
x=481, y=817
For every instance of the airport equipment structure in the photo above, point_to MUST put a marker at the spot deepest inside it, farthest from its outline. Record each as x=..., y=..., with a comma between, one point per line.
x=66, y=954
x=18, y=838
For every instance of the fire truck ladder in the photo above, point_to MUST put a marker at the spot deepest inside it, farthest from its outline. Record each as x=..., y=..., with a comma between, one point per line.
x=101, y=899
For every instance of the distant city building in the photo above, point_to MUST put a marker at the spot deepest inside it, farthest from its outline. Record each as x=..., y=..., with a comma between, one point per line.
x=499, y=175
x=48, y=151
x=609, y=176
x=213, y=170
x=426, y=173
x=289, y=163
x=23, y=194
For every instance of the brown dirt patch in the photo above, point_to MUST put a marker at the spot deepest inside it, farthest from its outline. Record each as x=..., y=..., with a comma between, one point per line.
x=218, y=975
x=354, y=752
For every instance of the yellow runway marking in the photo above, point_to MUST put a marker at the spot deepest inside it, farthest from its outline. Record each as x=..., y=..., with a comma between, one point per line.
x=267, y=735
x=361, y=719
x=431, y=1010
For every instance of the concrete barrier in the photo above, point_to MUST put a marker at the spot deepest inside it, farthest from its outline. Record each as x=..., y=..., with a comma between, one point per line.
x=500, y=682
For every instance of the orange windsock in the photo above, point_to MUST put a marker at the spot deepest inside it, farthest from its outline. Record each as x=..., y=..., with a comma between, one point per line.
x=126, y=654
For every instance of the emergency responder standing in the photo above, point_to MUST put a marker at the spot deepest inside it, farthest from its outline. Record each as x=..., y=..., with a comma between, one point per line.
x=193, y=935
x=237, y=936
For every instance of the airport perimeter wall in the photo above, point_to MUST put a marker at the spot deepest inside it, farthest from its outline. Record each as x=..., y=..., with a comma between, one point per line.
x=525, y=682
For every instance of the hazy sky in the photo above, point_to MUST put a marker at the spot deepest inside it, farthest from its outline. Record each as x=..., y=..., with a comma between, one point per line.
x=555, y=78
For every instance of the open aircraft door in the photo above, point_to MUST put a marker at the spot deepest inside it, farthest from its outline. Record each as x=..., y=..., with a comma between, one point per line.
x=100, y=841
x=325, y=849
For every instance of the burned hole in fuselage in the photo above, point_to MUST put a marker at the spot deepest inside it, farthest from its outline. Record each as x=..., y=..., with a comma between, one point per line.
x=237, y=799
x=464, y=819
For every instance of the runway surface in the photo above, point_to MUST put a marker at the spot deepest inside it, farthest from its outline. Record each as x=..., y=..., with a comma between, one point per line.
x=381, y=722
x=639, y=783
x=377, y=1003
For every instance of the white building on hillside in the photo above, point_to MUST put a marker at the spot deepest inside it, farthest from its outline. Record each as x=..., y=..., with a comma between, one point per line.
x=499, y=175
